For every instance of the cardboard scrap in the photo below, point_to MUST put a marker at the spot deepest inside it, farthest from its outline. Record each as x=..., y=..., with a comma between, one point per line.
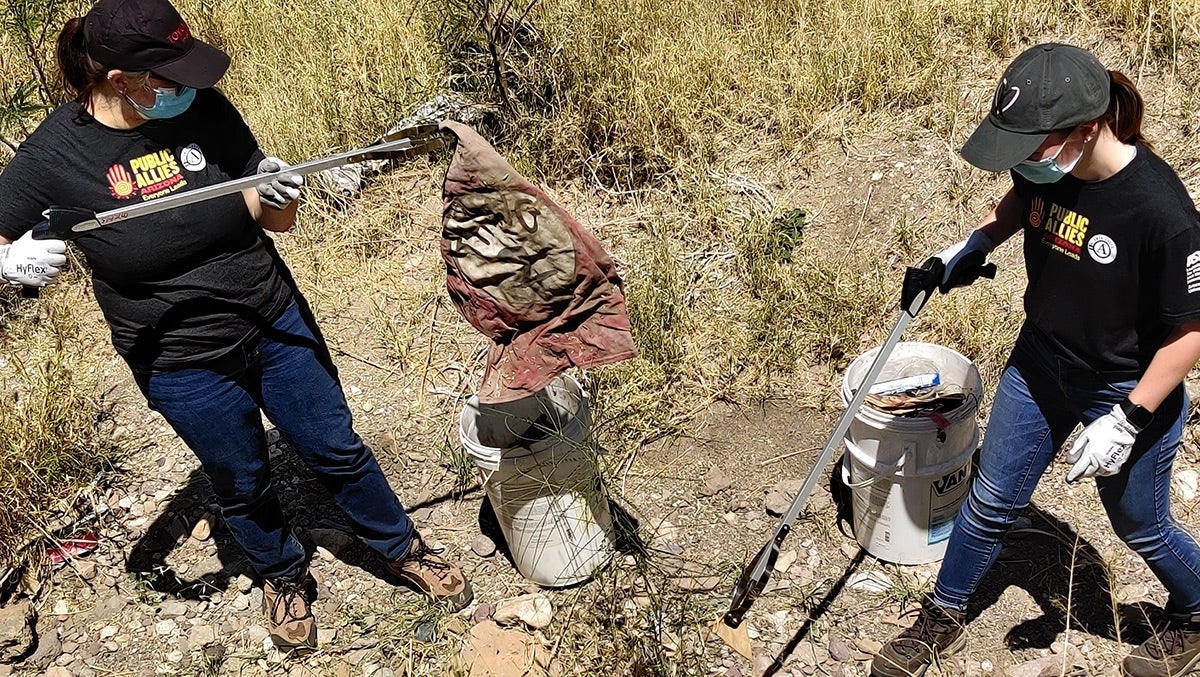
x=737, y=638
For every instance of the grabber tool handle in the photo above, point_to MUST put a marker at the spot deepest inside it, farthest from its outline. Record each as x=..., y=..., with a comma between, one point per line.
x=40, y=232
x=919, y=284
x=67, y=223
x=972, y=267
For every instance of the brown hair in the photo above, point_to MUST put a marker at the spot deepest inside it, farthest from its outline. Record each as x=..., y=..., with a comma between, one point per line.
x=1125, y=110
x=79, y=71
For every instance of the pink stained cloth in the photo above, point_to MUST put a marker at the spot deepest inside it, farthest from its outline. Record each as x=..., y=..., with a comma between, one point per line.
x=524, y=272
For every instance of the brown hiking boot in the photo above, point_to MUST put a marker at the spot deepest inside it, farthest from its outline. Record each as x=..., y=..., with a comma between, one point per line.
x=936, y=633
x=288, y=605
x=423, y=569
x=1172, y=651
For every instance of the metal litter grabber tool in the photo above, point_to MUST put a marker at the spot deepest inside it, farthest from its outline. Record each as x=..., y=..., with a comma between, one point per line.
x=66, y=223
x=919, y=284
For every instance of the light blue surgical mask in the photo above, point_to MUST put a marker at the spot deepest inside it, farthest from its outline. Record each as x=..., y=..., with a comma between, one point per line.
x=168, y=103
x=1046, y=170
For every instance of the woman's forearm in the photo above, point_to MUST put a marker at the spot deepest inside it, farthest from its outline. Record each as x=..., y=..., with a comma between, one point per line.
x=1170, y=365
x=1005, y=220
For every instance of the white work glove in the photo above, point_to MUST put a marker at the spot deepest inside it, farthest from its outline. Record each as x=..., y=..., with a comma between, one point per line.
x=283, y=189
x=30, y=262
x=1103, y=447
x=954, y=255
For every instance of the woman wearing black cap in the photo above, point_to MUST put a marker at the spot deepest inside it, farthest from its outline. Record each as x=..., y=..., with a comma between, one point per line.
x=198, y=301
x=1112, y=253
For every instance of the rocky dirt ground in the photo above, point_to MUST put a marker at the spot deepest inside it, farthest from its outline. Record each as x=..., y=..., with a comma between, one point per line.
x=167, y=592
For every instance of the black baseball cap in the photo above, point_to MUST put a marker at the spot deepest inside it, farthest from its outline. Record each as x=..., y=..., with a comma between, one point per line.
x=150, y=35
x=1047, y=88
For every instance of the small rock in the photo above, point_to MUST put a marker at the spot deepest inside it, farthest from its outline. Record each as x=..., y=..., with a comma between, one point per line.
x=202, y=531
x=811, y=655
x=172, y=609
x=256, y=634
x=714, y=482
x=839, y=650
x=202, y=635
x=244, y=583
x=86, y=569
x=325, y=636
x=166, y=628
x=16, y=630
x=1035, y=667
x=483, y=612
x=1133, y=592
x=779, y=497
x=215, y=653
x=870, y=581
x=426, y=632
x=335, y=541
x=496, y=652
x=697, y=583
x=868, y=645
x=535, y=610
x=57, y=671
x=1185, y=484
x=483, y=546
x=762, y=663
x=785, y=561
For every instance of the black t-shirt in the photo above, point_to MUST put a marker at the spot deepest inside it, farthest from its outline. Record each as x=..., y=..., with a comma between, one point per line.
x=178, y=287
x=1113, y=265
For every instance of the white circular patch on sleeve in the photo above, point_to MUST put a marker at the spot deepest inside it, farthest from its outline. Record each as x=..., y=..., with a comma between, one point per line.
x=192, y=158
x=1102, y=249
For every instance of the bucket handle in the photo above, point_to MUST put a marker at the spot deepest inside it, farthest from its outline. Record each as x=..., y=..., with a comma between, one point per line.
x=887, y=470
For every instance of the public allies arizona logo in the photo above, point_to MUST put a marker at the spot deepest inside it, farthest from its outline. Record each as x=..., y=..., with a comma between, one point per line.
x=149, y=176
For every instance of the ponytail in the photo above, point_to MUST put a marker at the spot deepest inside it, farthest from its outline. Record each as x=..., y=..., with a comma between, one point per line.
x=1125, y=110
x=79, y=71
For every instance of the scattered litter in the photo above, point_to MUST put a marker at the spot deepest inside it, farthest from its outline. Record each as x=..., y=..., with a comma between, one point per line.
x=922, y=402
x=71, y=548
x=871, y=581
x=737, y=638
x=906, y=384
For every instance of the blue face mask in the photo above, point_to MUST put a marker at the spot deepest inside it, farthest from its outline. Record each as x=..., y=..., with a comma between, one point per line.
x=168, y=103
x=1047, y=169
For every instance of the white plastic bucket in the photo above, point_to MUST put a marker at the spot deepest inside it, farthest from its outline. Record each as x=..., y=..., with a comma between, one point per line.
x=539, y=475
x=908, y=475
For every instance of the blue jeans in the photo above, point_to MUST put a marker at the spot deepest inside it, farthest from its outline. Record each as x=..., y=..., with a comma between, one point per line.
x=217, y=411
x=1038, y=403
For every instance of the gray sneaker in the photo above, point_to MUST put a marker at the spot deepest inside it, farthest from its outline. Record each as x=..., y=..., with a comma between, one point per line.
x=1172, y=651
x=936, y=633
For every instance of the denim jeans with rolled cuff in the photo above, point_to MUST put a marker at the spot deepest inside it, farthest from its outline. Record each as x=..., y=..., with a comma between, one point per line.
x=1038, y=403
x=217, y=411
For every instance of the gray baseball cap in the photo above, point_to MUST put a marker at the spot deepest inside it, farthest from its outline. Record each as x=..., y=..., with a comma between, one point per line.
x=1048, y=87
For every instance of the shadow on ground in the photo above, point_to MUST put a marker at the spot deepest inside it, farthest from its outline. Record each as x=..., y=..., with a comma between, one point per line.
x=1048, y=560
x=1066, y=576
x=312, y=514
